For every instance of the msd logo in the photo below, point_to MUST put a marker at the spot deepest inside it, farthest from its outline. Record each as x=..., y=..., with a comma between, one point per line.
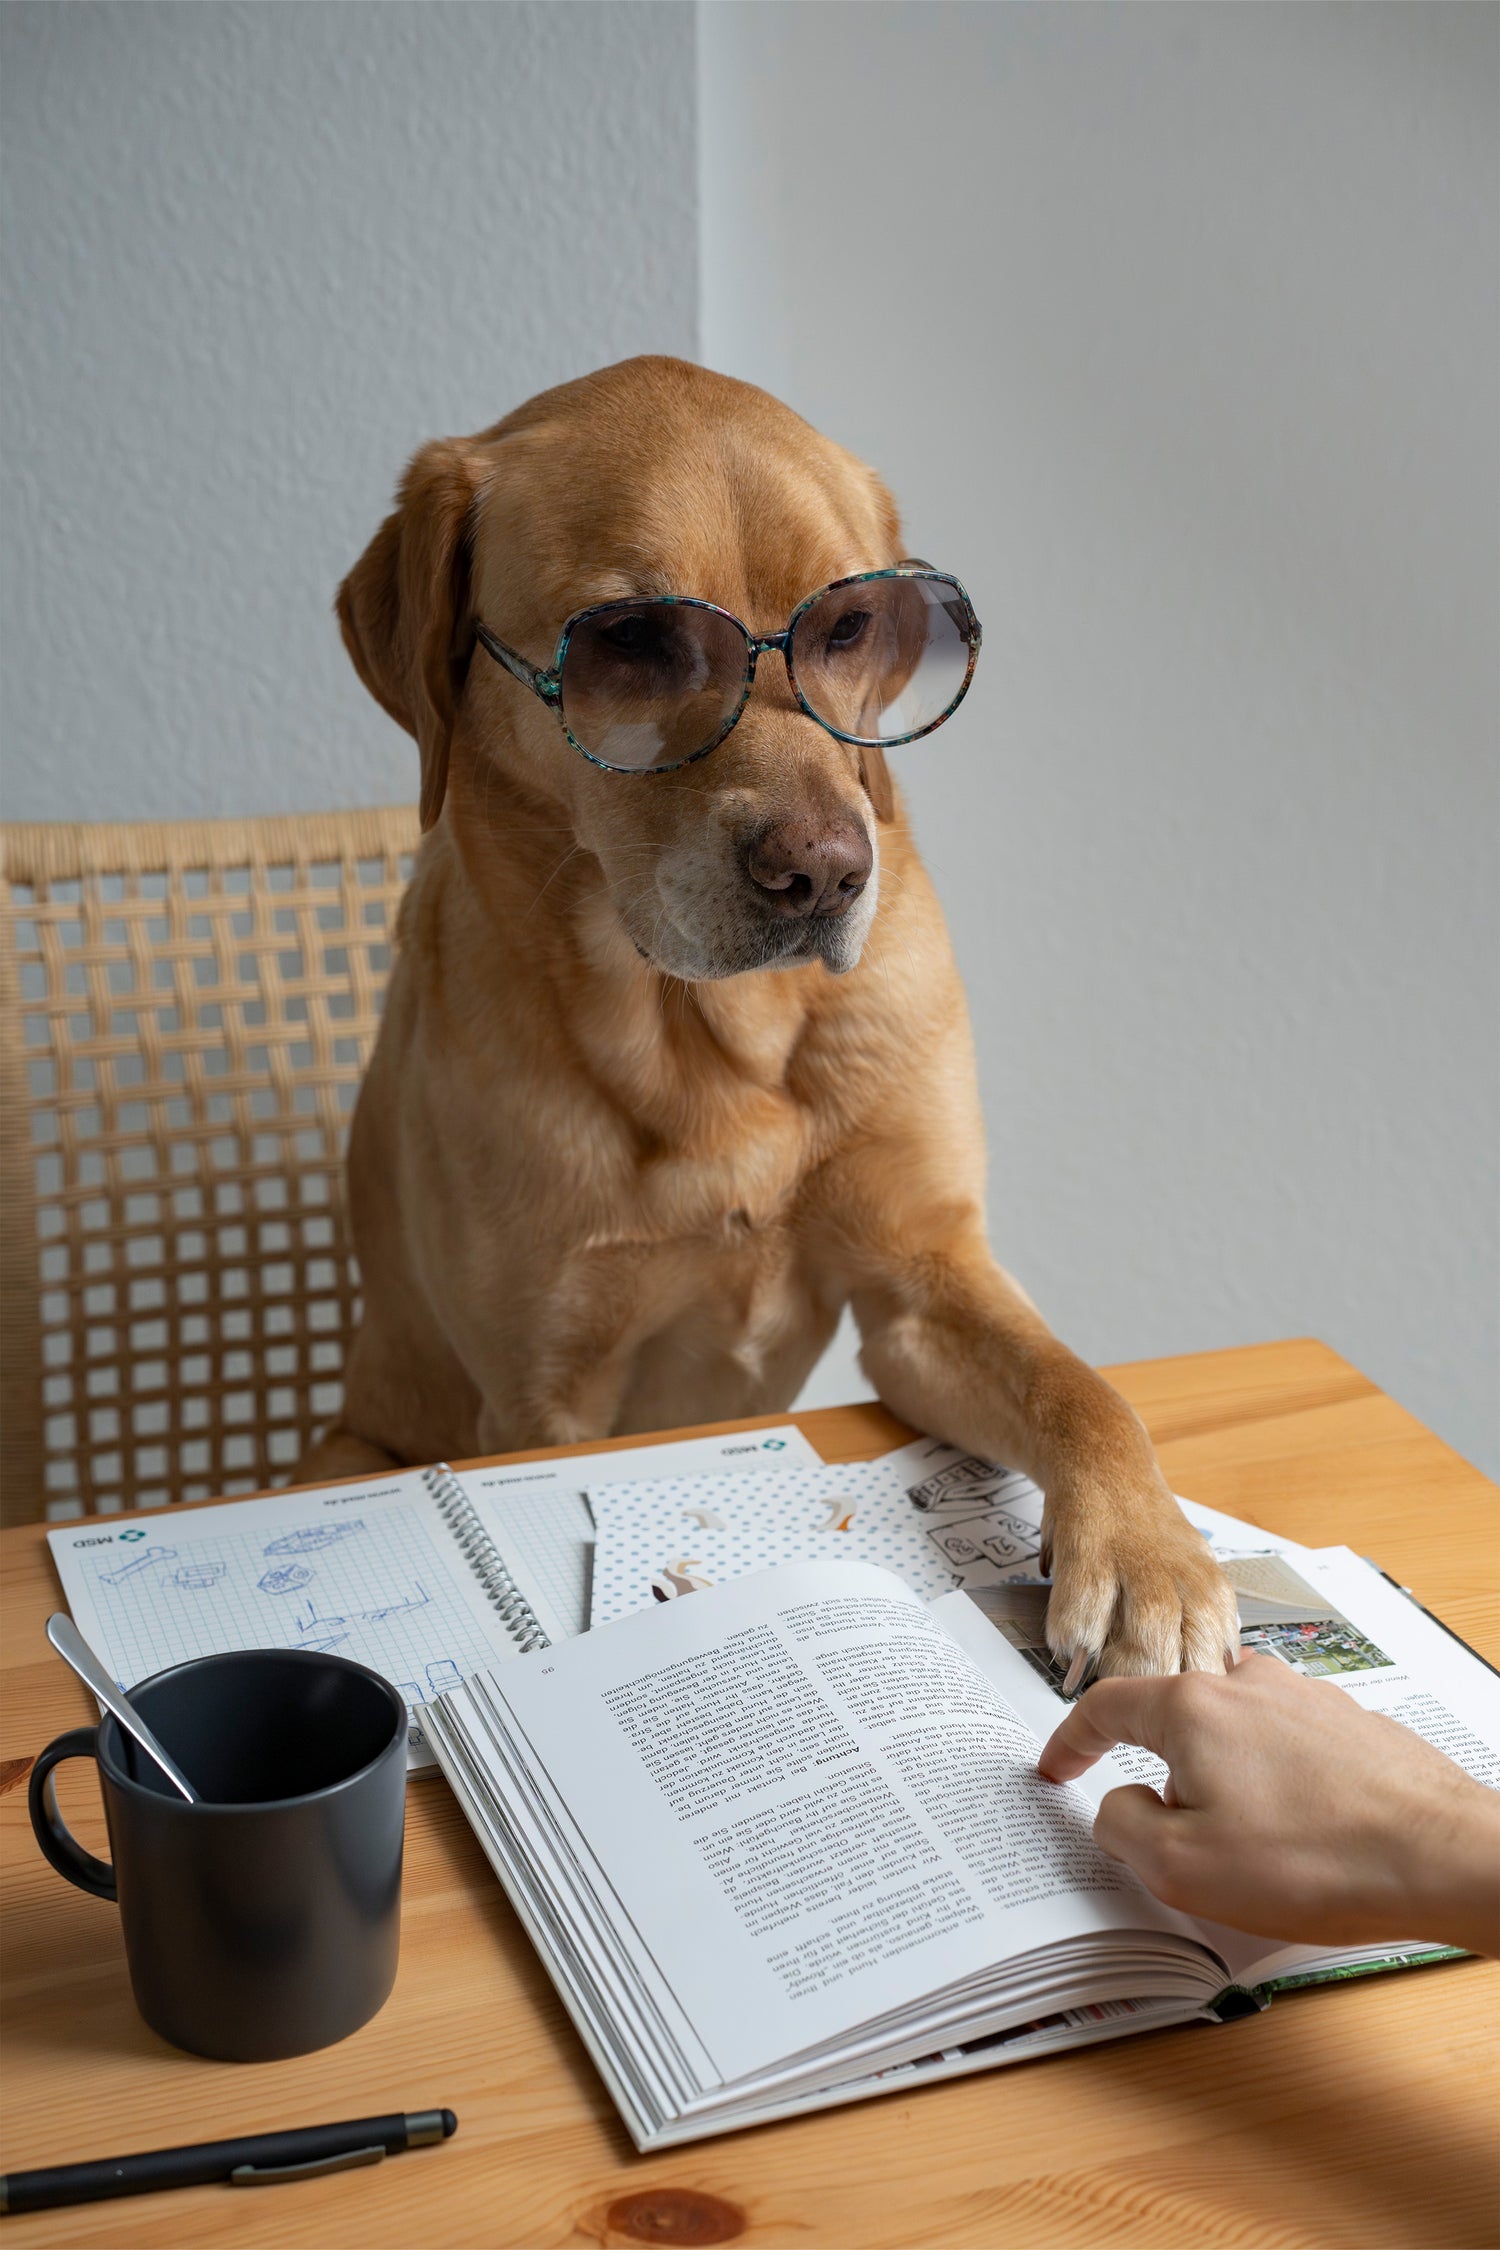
x=773, y=1445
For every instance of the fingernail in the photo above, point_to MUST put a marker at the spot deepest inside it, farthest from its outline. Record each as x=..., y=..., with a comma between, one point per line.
x=1077, y=1670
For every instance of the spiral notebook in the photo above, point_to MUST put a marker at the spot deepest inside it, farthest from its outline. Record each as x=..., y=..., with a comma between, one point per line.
x=428, y=1576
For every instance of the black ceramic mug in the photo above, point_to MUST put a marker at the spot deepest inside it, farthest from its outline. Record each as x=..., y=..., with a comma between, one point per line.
x=264, y=1920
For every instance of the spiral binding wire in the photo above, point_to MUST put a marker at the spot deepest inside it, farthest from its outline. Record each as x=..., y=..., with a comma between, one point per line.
x=484, y=1558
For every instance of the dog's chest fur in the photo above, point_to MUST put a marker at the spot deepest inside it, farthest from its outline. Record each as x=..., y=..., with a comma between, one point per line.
x=700, y=1101
x=607, y=1180
x=681, y=1248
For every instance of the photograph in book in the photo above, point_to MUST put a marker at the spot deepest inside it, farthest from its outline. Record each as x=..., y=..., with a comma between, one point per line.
x=1281, y=1615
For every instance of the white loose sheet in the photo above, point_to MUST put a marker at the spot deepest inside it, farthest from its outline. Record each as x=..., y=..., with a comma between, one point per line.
x=936, y=1516
x=536, y=1513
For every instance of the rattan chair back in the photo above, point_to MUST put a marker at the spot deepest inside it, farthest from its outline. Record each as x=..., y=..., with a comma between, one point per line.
x=185, y=1013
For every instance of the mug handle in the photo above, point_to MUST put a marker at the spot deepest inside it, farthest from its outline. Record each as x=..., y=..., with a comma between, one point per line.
x=59, y=1846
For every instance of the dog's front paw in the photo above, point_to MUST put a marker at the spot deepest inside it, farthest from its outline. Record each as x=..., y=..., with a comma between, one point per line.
x=1134, y=1589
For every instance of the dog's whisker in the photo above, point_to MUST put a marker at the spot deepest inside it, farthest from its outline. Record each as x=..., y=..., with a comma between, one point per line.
x=571, y=853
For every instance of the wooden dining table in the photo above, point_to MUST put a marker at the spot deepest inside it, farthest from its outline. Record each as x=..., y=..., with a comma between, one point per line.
x=1353, y=2115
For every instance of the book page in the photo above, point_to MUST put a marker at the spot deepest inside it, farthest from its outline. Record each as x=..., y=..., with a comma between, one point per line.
x=1326, y=1613
x=814, y=1809
x=367, y=1570
x=1429, y=1681
x=536, y=1513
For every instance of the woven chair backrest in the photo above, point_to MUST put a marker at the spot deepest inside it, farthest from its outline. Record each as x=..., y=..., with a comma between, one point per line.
x=185, y=1013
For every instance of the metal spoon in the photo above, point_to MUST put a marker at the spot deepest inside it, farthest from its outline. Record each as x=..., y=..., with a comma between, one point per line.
x=74, y=1649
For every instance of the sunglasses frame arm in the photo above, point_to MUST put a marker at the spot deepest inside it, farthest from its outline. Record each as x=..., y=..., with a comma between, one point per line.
x=547, y=685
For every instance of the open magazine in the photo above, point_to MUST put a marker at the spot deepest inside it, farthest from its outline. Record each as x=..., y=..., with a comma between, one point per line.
x=783, y=1844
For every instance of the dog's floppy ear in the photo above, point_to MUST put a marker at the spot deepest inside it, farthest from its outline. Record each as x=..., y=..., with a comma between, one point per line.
x=404, y=607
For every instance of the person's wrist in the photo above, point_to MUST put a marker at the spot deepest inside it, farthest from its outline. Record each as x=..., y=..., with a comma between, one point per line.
x=1452, y=1870
x=1476, y=1919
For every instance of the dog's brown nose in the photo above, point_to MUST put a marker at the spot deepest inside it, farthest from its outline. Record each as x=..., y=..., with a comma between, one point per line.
x=806, y=870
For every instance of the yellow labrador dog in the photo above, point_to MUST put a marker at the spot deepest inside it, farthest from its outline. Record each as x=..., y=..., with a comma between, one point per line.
x=675, y=1061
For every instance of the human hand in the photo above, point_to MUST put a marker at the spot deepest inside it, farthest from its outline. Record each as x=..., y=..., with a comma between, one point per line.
x=1291, y=1811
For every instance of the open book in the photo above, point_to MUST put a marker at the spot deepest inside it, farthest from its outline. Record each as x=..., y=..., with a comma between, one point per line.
x=783, y=1844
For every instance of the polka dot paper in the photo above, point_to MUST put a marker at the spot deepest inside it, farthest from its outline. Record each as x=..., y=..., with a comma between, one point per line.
x=656, y=1542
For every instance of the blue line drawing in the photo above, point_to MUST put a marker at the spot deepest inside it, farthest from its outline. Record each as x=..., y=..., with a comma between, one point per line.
x=418, y=1598
x=313, y=1622
x=198, y=1575
x=412, y=1694
x=443, y=1674
x=325, y=1641
x=145, y=1560
x=307, y=1541
x=285, y=1578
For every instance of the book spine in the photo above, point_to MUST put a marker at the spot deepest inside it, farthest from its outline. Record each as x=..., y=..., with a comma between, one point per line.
x=484, y=1558
x=1238, y=2000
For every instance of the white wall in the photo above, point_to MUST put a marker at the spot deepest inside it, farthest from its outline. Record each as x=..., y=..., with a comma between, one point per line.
x=1175, y=331
x=253, y=257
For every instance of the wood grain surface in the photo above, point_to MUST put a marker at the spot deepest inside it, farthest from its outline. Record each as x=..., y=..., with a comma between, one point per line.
x=1353, y=2116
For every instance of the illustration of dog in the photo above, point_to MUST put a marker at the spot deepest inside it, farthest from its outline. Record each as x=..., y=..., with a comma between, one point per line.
x=675, y=1578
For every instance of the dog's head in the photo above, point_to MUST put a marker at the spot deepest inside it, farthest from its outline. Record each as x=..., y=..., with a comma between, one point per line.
x=653, y=477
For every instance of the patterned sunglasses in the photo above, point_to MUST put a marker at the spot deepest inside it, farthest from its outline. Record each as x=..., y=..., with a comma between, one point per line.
x=649, y=685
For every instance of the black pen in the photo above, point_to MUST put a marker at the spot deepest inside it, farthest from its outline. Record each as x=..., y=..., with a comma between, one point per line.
x=255, y=2161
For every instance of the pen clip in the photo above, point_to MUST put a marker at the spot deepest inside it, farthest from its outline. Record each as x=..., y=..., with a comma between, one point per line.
x=266, y=2175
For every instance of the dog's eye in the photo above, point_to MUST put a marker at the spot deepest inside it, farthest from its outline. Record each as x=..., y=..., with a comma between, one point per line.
x=632, y=636
x=850, y=629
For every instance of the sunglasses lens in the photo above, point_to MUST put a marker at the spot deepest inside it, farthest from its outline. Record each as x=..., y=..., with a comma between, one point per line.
x=649, y=684
x=884, y=658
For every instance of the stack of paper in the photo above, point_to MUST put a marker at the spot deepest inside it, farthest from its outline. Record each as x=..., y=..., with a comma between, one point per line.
x=935, y=1516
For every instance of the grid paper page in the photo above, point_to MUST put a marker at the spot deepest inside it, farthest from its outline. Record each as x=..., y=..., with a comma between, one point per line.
x=367, y=1571
x=536, y=1514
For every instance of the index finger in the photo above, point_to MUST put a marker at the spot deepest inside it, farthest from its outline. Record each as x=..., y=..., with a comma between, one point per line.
x=1112, y=1711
